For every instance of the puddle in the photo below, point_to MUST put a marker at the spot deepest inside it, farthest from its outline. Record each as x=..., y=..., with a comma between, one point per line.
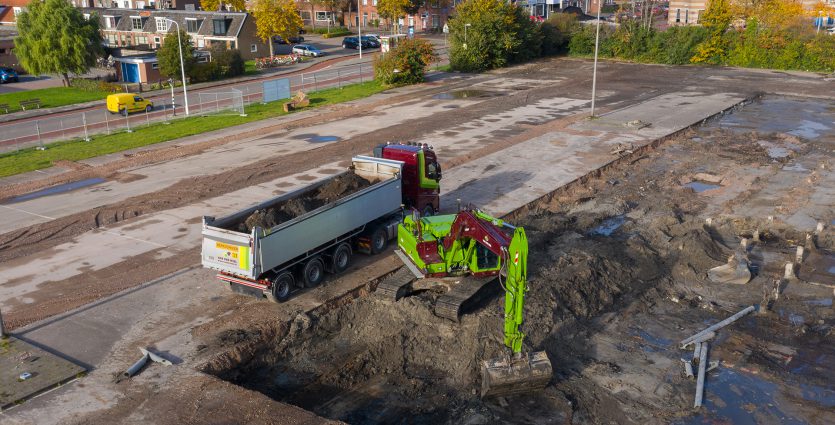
x=315, y=138
x=54, y=190
x=464, y=94
x=823, y=302
x=700, y=187
x=742, y=399
x=654, y=343
x=795, y=167
x=806, y=118
x=609, y=226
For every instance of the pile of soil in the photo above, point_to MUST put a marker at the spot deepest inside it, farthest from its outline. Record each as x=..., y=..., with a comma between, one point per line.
x=334, y=189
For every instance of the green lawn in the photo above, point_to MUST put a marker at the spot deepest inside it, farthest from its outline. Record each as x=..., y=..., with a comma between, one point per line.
x=73, y=150
x=51, y=97
x=249, y=67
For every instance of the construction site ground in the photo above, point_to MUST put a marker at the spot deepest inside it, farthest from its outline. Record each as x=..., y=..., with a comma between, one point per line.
x=616, y=210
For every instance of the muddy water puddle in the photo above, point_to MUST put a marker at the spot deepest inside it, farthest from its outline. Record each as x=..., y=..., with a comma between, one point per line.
x=810, y=119
x=700, y=187
x=55, y=190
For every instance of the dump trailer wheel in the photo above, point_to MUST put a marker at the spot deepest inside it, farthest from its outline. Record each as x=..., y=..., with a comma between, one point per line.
x=282, y=286
x=379, y=240
x=313, y=272
x=341, y=258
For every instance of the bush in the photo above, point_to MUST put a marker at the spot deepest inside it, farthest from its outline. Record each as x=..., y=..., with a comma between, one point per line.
x=326, y=30
x=489, y=34
x=94, y=85
x=229, y=61
x=556, y=32
x=341, y=33
x=202, y=72
x=409, y=58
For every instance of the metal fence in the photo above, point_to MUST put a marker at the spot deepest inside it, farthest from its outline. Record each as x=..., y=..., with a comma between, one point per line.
x=40, y=132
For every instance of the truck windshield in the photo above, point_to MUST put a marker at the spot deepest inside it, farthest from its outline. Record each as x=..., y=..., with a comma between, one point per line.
x=433, y=171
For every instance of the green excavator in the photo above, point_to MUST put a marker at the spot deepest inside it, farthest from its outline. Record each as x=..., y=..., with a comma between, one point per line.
x=464, y=252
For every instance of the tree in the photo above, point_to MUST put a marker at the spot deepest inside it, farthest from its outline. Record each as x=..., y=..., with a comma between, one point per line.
x=168, y=56
x=393, y=10
x=276, y=17
x=406, y=63
x=55, y=38
x=238, y=5
x=716, y=20
x=489, y=34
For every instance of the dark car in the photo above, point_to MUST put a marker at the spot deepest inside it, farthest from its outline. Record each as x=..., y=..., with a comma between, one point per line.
x=353, y=43
x=8, y=75
x=293, y=40
x=370, y=41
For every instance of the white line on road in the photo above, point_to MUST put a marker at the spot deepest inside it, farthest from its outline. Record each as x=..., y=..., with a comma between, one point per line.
x=27, y=212
x=135, y=239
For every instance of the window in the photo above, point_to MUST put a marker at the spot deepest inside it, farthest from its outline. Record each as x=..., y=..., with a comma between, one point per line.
x=411, y=21
x=233, y=45
x=17, y=11
x=112, y=40
x=201, y=43
x=364, y=19
x=436, y=4
x=436, y=21
x=156, y=40
x=219, y=26
x=305, y=15
x=154, y=65
x=109, y=22
x=678, y=15
x=86, y=16
x=322, y=16
x=192, y=25
x=374, y=2
x=136, y=23
x=365, y=2
x=686, y=15
x=2, y=51
x=162, y=25
x=140, y=40
x=253, y=48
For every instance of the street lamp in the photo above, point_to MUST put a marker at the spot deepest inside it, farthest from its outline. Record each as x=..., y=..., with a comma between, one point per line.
x=182, y=65
x=359, y=26
x=594, y=73
x=173, y=104
x=465, y=35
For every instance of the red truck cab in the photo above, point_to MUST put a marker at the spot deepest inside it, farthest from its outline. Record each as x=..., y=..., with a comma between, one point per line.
x=421, y=174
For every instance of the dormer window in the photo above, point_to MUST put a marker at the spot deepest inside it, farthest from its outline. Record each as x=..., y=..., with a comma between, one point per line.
x=220, y=26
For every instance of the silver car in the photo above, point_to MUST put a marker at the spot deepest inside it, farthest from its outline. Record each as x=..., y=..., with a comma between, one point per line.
x=307, y=50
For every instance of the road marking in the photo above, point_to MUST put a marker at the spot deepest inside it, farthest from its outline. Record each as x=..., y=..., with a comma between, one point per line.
x=26, y=212
x=135, y=239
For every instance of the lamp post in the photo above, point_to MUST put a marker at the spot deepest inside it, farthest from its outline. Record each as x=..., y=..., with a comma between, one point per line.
x=359, y=26
x=173, y=104
x=465, y=35
x=594, y=73
x=182, y=64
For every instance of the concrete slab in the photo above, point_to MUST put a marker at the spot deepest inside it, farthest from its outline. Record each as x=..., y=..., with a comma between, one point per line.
x=43, y=371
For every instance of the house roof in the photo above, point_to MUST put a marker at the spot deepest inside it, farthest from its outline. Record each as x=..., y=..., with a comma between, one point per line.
x=234, y=20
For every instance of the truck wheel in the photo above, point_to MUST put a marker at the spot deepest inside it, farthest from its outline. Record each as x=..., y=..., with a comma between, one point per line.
x=341, y=258
x=379, y=240
x=282, y=284
x=313, y=272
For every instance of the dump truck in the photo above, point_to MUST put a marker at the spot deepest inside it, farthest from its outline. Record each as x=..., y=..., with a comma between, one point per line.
x=273, y=261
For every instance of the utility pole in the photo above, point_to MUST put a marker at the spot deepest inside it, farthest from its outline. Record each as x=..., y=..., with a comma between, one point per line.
x=182, y=64
x=359, y=26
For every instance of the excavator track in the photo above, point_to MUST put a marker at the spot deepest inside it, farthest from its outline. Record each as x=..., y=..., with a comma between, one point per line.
x=397, y=285
x=450, y=304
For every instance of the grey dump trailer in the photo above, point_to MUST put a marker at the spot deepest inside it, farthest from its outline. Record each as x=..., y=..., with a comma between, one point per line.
x=294, y=254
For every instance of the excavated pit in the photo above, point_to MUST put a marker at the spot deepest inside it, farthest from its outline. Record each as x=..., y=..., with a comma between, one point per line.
x=617, y=274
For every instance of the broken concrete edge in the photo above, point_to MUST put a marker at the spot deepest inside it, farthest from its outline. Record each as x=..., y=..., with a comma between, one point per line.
x=43, y=391
x=29, y=327
x=636, y=154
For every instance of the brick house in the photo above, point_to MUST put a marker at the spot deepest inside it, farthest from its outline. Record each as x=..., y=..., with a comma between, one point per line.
x=146, y=29
x=9, y=10
x=431, y=17
x=7, y=57
x=190, y=5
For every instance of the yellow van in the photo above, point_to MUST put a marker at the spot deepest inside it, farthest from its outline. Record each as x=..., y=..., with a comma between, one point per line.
x=123, y=103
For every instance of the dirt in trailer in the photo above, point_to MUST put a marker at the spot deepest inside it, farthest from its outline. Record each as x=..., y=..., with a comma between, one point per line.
x=618, y=274
x=332, y=190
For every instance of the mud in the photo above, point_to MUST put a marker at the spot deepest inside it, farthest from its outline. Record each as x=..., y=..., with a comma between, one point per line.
x=617, y=275
x=332, y=190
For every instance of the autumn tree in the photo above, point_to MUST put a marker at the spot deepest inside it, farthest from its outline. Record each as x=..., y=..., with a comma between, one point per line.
x=393, y=10
x=716, y=20
x=276, y=17
x=168, y=55
x=214, y=5
x=55, y=38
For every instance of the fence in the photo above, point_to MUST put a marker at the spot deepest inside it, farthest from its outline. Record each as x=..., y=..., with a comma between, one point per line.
x=40, y=132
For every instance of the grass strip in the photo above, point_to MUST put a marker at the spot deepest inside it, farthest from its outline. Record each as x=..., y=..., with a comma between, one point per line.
x=51, y=97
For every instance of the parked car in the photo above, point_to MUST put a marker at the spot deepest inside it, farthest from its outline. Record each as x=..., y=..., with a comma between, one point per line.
x=307, y=50
x=370, y=41
x=372, y=35
x=353, y=43
x=125, y=103
x=8, y=75
x=293, y=40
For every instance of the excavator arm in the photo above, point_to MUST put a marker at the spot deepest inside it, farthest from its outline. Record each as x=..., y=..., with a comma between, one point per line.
x=515, y=286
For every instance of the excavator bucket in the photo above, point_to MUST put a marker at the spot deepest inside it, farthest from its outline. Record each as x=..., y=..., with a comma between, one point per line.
x=506, y=376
